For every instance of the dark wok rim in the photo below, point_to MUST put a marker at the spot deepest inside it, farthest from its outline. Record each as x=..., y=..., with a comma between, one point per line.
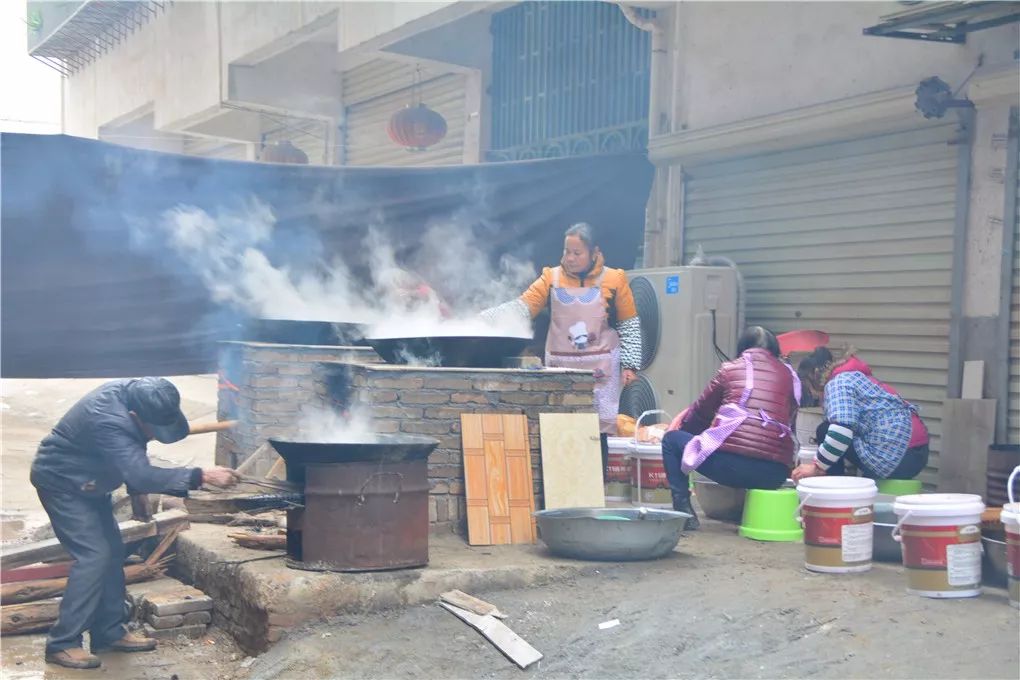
x=391, y=448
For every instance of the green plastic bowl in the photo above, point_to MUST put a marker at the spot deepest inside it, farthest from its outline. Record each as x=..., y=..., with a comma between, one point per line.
x=899, y=487
x=771, y=516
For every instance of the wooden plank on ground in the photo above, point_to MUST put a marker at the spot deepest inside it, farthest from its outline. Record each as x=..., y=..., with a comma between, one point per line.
x=512, y=645
x=131, y=530
x=571, y=461
x=461, y=599
x=968, y=428
x=497, y=479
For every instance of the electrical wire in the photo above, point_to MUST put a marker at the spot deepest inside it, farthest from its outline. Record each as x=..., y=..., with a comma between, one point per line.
x=718, y=352
x=251, y=559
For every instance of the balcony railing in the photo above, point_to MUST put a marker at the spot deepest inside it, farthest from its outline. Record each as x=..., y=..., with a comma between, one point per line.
x=68, y=36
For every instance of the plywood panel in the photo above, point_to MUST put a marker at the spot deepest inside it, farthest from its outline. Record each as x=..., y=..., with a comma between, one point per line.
x=497, y=479
x=571, y=461
x=968, y=429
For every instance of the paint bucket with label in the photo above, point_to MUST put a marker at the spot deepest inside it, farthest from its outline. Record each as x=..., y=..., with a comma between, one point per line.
x=618, y=469
x=1011, y=521
x=941, y=537
x=649, y=485
x=837, y=515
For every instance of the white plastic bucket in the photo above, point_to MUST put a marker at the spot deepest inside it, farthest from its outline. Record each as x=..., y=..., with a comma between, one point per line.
x=838, y=518
x=618, y=469
x=1011, y=521
x=941, y=537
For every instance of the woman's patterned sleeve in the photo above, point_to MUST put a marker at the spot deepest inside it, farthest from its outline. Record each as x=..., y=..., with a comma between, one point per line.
x=630, y=343
x=513, y=308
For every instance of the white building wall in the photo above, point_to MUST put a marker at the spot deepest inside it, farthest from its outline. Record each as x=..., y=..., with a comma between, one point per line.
x=179, y=61
x=187, y=55
x=359, y=22
x=742, y=60
x=253, y=28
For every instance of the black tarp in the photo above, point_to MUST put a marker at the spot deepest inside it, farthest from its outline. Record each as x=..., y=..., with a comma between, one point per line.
x=81, y=299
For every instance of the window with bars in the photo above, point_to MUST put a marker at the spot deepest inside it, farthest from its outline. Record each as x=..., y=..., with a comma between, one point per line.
x=568, y=78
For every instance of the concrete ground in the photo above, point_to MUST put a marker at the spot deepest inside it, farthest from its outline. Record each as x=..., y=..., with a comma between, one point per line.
x=259, y=600
x=30, y=408
x=210, y=658
x=721, y=606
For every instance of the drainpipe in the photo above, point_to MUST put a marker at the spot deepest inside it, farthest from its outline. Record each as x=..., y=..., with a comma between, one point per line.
x=656, y=237
x=654, y=27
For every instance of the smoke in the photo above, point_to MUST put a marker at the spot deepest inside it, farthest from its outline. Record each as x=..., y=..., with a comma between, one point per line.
x=437, y=289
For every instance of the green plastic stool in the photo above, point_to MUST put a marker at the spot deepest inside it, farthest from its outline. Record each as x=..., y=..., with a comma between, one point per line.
x=899, y=487
x=771, y=516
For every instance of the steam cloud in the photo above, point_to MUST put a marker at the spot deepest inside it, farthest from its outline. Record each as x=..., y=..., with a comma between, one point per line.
x=354, y=427
x=228, y=251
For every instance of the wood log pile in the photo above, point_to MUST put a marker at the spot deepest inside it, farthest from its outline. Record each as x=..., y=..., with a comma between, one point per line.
x=31, y=605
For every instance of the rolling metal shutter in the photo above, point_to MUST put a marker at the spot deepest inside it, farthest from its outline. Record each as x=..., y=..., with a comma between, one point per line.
x=854, y=238
x=1013, y=434
x=375, y=91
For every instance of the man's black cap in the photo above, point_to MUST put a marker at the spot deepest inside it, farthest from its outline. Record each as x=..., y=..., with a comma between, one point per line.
x=158, y=404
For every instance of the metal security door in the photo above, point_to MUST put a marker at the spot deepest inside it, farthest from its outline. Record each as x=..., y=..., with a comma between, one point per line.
x=854, y=238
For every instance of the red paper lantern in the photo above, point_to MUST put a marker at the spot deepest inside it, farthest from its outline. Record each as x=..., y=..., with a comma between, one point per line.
x=416, y=127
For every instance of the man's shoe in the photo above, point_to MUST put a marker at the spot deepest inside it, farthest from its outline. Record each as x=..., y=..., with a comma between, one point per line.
x=131, y=642
x=684, y=505
x=73, y=657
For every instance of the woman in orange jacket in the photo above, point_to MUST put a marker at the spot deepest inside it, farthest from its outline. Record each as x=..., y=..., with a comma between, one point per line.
x=594, y=323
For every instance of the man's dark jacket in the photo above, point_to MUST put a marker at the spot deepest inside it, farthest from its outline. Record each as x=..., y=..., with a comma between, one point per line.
x=97, y=446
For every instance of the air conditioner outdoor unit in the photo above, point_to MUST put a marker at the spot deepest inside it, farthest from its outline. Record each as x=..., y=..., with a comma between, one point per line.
x=688, y=319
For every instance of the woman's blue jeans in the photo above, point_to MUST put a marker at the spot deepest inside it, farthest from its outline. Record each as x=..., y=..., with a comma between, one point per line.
x=724, y=467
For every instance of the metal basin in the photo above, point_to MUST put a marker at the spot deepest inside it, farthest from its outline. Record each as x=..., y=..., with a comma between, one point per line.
x=611, y=534
x=719, y=502
x=994, y=562
x=450, y=351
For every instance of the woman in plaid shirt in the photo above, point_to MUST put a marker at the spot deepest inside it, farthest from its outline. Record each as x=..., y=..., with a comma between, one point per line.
x=867, y=422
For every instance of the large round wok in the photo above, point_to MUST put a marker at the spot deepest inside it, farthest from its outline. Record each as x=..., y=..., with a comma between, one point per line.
x=294, y=332
x=450, y=351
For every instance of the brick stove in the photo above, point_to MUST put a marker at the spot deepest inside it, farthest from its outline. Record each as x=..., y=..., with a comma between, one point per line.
x=269, y=388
